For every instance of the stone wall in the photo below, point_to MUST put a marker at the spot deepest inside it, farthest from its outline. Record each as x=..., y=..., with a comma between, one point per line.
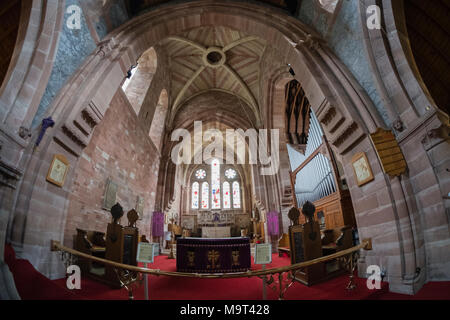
x=342, y=30
x=133, y=167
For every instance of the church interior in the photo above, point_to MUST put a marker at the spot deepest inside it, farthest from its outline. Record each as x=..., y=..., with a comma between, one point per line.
x=198, y=150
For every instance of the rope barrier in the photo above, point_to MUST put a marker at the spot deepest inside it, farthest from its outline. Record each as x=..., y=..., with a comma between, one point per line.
x=366, y=244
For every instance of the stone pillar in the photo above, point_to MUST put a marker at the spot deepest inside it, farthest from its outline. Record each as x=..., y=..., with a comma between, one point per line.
x=9, y=177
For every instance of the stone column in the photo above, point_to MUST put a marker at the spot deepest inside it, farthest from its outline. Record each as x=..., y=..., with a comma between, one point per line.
x=9, y=177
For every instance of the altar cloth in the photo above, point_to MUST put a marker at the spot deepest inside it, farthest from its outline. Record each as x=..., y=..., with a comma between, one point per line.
x=221, y=255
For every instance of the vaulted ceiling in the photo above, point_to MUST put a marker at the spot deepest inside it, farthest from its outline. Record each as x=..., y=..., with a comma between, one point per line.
x=214, y=59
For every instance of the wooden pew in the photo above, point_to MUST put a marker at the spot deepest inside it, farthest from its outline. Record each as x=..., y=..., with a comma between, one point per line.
x=283, y=245
x=336, y=239
x=90, y=242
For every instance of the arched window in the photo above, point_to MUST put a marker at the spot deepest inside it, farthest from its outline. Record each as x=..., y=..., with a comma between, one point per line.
x=215, y=184
x=236, y=195
x=138, y=81
x=205, y=195
x=195, y=194
x=130, y=76
x=226, y=195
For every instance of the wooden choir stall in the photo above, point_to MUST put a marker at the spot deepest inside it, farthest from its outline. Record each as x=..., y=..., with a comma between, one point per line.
x=119, y=244
x=307, y=242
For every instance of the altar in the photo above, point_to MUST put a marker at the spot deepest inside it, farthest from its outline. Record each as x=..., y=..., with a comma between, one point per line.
x=213, y=255
x=216, y=232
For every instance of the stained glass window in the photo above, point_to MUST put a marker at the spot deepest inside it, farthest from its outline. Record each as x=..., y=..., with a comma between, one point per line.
x=236, y=195
x=200, y=174
x=195, y=195
x=215, y=184
x=226, y=195
x=212, y=192
x=205, y=195
x=230, y=173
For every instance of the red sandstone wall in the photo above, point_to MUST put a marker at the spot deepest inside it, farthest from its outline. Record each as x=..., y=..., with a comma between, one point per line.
x=119, y=149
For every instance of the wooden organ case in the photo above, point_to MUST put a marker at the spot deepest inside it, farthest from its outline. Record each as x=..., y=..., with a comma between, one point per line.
x=333, y=203
x=315, y=179
x=317, y=172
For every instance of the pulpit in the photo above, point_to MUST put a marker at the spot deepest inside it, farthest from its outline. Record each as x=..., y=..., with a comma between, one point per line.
x=223, y=255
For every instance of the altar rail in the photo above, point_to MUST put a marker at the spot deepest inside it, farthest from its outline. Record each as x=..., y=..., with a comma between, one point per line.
x=127, y=279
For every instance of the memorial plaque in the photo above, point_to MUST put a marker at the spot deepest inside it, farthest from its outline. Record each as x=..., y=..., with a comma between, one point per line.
x=140, y=206
x=389, y=152
x=362, y=169
x=110, y=194
x=58, y=170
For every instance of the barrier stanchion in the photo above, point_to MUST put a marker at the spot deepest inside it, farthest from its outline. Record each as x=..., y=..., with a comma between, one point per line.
x=146, y=283
x=264, y=284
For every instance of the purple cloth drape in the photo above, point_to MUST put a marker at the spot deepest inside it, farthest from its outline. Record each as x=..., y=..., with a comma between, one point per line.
x=158, y=224
x=272, y=223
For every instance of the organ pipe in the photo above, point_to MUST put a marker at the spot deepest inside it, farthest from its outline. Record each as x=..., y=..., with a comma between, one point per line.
x=315, y=180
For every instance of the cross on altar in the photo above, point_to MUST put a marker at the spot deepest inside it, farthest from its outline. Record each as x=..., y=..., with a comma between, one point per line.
x=213, y=257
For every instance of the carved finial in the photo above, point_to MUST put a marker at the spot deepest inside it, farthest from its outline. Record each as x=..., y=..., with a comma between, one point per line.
x=116, y=212
x=132, y=216
x=24, y=133
x=308, y=210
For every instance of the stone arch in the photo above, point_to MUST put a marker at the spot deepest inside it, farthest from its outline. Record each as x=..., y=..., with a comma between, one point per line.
x=30, y=70
x=330, y=88
x=417, y=122
x=159, y=119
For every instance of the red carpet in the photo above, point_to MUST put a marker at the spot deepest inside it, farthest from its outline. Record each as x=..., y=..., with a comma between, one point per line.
x=32, y=285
